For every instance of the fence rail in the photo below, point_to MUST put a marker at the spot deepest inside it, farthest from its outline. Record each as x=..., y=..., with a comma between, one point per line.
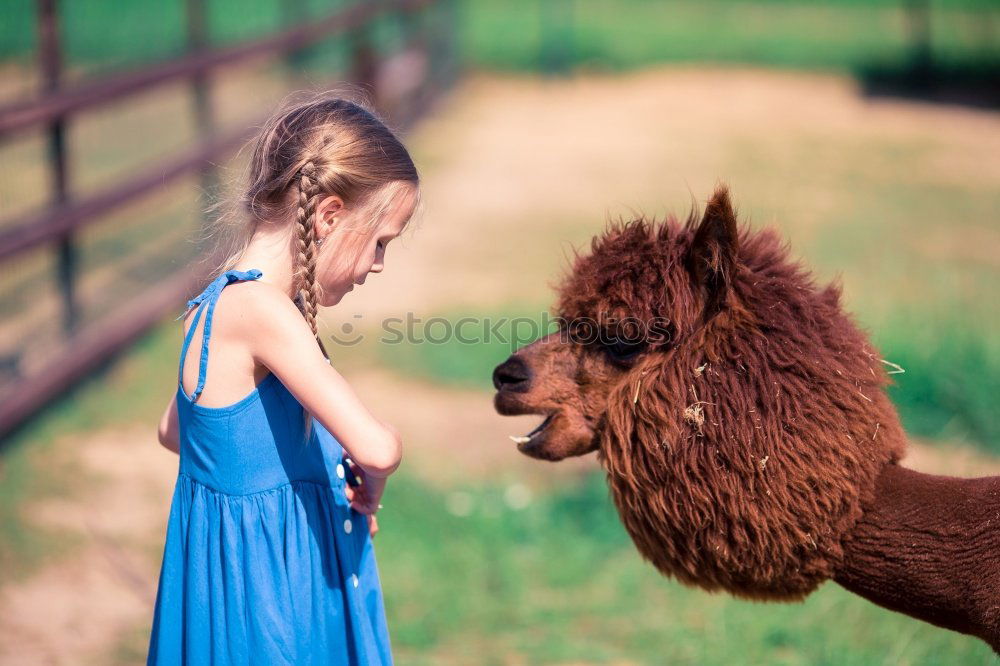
x=83, y=348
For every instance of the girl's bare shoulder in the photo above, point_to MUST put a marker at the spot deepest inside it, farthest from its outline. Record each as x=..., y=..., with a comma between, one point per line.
x=259, y=312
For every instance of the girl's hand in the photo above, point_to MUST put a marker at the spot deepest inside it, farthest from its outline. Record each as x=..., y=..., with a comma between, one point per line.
x=365, y=497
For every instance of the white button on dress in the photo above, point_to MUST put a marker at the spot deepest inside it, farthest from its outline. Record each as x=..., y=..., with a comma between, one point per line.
x=348, y=526
x=340, y=470
x=354, y=579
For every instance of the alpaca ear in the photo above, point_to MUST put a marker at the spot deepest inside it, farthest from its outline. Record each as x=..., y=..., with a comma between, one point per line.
x=712, y=257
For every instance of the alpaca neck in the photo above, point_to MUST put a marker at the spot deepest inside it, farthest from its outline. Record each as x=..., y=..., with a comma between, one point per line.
x=929, y=547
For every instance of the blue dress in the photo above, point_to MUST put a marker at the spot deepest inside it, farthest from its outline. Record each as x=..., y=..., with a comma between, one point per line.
x=265, y=562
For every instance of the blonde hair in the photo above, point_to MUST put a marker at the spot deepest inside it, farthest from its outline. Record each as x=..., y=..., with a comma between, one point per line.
x=324, y=145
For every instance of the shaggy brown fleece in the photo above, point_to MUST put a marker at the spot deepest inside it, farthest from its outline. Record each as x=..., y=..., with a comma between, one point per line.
x=740, y=456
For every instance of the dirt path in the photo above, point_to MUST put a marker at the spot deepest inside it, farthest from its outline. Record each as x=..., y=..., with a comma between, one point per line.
x=74, y=611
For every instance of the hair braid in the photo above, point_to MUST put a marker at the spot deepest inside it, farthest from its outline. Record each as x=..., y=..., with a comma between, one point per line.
x=305, y=250
x=304, y=274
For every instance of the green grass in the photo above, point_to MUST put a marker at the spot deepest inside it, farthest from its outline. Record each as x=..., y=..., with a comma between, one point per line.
x=835, y=34
x=558, y=581
x=533, y=34
x=951, y=379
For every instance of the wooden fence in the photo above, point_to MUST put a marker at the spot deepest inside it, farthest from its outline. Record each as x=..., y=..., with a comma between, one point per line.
x=430, y=65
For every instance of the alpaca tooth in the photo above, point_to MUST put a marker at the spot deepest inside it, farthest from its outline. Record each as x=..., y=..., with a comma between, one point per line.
x=519, y=439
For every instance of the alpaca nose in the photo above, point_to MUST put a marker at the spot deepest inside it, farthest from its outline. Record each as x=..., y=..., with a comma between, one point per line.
x=512, y=375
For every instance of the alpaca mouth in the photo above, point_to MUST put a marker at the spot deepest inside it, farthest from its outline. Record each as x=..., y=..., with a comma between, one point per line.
x=524, y=440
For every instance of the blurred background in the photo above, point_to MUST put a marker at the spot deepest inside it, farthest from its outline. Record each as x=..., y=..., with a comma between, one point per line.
x=866, y=132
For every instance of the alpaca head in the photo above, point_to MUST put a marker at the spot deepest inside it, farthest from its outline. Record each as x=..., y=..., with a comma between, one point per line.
x=740, y=415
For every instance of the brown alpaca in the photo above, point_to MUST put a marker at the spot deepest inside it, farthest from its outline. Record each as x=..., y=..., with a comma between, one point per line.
x=742, y=420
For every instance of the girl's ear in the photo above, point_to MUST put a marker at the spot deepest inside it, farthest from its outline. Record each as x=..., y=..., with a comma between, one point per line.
x=712, y=257
x=326, y=211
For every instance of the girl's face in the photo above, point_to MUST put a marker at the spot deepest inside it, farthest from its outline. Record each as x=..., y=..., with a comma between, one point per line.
x=346, y=257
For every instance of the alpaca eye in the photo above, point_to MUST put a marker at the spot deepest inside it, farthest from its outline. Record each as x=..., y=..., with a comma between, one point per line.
x=622, y=351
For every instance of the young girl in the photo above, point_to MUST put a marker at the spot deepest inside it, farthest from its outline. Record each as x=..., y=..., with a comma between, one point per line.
x=268, y=558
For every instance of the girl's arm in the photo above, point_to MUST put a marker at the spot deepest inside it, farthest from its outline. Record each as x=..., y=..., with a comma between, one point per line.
x=281, y=340
x=169, y=432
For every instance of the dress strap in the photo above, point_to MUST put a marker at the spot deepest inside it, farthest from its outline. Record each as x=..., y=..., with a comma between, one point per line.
x=206, y=301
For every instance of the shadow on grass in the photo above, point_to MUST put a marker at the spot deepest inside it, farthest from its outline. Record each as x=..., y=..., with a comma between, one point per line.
x=974, y=83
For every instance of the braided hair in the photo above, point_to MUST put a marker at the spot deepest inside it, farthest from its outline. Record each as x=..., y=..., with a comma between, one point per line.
x=304, y=277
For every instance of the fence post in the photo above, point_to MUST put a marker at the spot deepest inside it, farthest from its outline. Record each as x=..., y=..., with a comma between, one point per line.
x=439, y=34
x=364, y=63
x=557, y=36
x=401, y=99
x=918, y=14
x=296, y=12
x=449, y=43
x=200, y=87
x=50, y=61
